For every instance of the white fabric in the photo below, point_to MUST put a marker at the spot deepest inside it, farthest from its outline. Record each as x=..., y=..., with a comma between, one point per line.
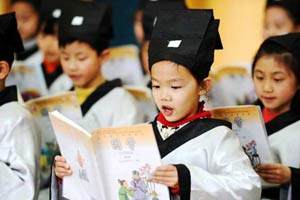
x=63, y=83
x=117, y=108
x=126, y=68
x=19, y=153
x=218, y=166
x=285, y=146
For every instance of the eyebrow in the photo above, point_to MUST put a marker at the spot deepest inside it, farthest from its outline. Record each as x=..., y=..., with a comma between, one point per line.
x=171, y=80
x=273, y=73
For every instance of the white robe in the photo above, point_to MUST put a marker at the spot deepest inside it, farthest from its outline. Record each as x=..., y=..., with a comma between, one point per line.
x=285, y=146
x=219, y=169
x=116, y=108
x=19, y=153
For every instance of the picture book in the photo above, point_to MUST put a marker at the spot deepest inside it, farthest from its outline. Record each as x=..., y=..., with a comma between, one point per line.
x=248, y=125
x=109, y=163
x=67, y=104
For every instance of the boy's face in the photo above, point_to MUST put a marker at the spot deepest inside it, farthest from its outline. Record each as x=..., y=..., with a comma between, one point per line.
x=175, y=90
x=27, y=19
x=277, y=22
x=275, y=84
x=82, y=64
x=48, y=44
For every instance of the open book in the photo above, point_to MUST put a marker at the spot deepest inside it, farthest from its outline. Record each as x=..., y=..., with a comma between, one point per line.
x=109, y=163
x=68, y=105
x=248, y=124
x=29, y=78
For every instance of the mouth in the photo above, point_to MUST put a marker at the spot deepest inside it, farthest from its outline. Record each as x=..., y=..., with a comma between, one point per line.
x=268, y=99
x=74, y=77
x=167, y=110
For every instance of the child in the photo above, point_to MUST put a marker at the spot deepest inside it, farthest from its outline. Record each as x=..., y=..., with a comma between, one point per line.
x=27, y=13
x=281, y=17
x=19, y=139
x=202, y=158
x=51, y=12
x=84, y=35
x=275, y=72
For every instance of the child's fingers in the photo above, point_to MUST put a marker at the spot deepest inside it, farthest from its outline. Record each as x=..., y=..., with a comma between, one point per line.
x=59, y=159
x=60, y=173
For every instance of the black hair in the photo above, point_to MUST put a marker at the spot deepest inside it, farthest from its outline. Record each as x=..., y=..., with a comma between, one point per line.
x=48, y=26
x=35, y=3
x=280, y=54
x=7, y=57
x=98, y=49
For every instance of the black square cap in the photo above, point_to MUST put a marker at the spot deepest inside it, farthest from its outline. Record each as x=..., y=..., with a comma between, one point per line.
x=292, y=6
x=290, y=42
x=35, y=3
x=53, y=9
x=10, y=40
x=87, y=21
x=150, y=12
x=186, y=37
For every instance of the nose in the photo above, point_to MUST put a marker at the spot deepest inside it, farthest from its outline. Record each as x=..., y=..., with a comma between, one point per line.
x=268, y=86
x=72, y=65
x=165, y=95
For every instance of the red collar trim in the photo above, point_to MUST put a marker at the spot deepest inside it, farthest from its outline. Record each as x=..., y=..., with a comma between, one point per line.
x=201, y=114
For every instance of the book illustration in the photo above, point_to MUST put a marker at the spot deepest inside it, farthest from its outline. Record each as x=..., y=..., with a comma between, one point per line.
x=141, y=186
x=248, y=125
x=66, y=103
x=109, y=163
x=29, y=78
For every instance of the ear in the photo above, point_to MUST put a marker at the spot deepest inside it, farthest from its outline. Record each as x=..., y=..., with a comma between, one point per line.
x=104, y=56
x=205, y=86
x=4, y=69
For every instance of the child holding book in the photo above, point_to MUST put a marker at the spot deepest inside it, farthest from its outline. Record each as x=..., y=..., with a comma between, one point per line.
x=202, y=158
x=19, y=138
x=275, y=73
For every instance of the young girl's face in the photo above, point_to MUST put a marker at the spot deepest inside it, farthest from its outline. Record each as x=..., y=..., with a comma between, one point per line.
x=82, y=64
x=175, y=90
x=27, y=19
x=277, y=22
x=275, y=84
x=48, y=44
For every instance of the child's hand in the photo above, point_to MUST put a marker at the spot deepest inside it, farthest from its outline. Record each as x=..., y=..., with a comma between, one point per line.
x=166, y=175
x=274, y=173
x=61, y=167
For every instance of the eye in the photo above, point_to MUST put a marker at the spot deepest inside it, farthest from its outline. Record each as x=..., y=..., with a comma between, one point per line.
x=176, y=87
x=278, y=80
x=155, y=86
x=259, y=78
x=82, y=58
x=65, y=58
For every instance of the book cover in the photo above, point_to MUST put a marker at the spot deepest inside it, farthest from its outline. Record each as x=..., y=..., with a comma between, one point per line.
x=248, y=125
x=124, y=159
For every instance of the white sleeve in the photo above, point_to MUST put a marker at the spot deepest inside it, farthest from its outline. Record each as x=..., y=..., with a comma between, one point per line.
x=229, y=175
x=19, y=157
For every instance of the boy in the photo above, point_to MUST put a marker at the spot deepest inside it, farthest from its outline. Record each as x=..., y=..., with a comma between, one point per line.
x=19, y=139
x=202, y=158
x=84, y=34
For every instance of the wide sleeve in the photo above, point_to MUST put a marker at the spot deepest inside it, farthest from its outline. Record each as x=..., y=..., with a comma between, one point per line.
x=295, y=183
x=228, y=175
x=19, y=155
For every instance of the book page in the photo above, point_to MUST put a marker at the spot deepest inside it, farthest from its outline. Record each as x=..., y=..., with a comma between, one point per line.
x=249, y=126
x=126, y=157
x=76, y=147
x=66, y=104
x=29, y=78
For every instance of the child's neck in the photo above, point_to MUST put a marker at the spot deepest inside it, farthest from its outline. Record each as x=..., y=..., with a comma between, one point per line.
x=200, y=114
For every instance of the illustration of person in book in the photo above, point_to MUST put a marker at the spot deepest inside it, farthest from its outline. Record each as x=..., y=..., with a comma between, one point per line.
x=251, y=151
x=124, y=192
x=139, y=186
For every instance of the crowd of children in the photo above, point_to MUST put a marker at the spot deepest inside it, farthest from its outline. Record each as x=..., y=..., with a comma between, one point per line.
x=70, y=42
